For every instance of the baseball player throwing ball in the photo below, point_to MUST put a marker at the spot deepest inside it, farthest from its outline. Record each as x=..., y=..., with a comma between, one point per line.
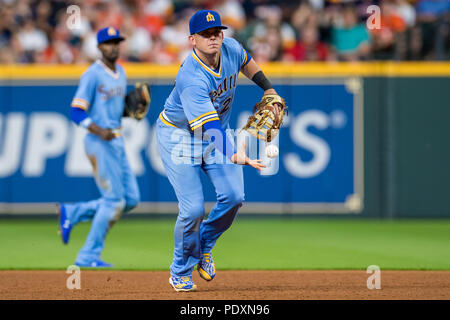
x=99, y=104
x=201, y=101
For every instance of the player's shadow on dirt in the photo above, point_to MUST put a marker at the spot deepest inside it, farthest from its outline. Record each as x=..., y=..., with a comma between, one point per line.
x=248, y=288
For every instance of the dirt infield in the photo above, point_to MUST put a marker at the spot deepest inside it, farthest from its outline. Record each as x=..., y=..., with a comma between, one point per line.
x=235, y=285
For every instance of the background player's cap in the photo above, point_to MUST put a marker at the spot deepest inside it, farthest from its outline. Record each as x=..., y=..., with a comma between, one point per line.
x=205, y=19
x=107, y=34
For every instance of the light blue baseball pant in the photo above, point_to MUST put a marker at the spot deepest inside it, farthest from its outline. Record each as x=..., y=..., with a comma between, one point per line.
x=119, y=190
x=184, y=165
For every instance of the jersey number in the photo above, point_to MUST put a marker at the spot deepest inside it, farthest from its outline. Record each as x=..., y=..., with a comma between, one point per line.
x=226, y=105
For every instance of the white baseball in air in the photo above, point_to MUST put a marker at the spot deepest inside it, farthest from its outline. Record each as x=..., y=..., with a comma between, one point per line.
x=272, y=151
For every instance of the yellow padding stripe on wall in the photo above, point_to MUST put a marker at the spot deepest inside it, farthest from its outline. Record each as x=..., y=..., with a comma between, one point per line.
x=279, y=70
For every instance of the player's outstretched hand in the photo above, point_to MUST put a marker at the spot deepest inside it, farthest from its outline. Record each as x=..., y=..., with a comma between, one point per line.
x=240, y=157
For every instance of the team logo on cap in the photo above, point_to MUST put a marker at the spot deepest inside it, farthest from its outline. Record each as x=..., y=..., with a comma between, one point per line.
x=210, y=17
x=111, y=31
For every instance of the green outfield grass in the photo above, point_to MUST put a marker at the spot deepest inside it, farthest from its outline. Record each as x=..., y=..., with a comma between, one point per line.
x=269, y=243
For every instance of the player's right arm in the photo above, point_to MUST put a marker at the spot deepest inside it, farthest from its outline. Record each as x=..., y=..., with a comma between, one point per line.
x=202, y=115
x=81, y=103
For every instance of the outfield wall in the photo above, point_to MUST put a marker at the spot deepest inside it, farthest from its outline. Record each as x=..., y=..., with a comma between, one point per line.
x=361, y=139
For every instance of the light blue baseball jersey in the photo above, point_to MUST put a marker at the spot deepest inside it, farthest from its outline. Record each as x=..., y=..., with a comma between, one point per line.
x=101, y=94
x=201, y=94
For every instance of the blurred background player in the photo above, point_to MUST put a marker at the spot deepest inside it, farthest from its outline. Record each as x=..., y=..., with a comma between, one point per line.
x=201, y=101
x=98, y=106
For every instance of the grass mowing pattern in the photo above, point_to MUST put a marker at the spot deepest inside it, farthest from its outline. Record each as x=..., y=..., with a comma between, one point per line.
x=269, y=243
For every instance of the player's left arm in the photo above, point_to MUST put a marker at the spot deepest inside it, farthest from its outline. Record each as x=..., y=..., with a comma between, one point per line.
x=271, y=106
x=252, y=71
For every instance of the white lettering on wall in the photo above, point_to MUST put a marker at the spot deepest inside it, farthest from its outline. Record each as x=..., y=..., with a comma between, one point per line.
x=47, y=138
x=12, y=126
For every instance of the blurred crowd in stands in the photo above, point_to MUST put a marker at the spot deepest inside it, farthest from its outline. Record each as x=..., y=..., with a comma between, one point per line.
x=34, y=31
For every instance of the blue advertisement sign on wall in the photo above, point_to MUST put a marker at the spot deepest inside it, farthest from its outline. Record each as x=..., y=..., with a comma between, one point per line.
x=319, y=168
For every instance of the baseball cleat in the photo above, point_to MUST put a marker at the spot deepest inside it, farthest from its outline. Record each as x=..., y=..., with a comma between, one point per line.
x=64, y=224
x=206, y=267
x=182, y=283
x=94, y=264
